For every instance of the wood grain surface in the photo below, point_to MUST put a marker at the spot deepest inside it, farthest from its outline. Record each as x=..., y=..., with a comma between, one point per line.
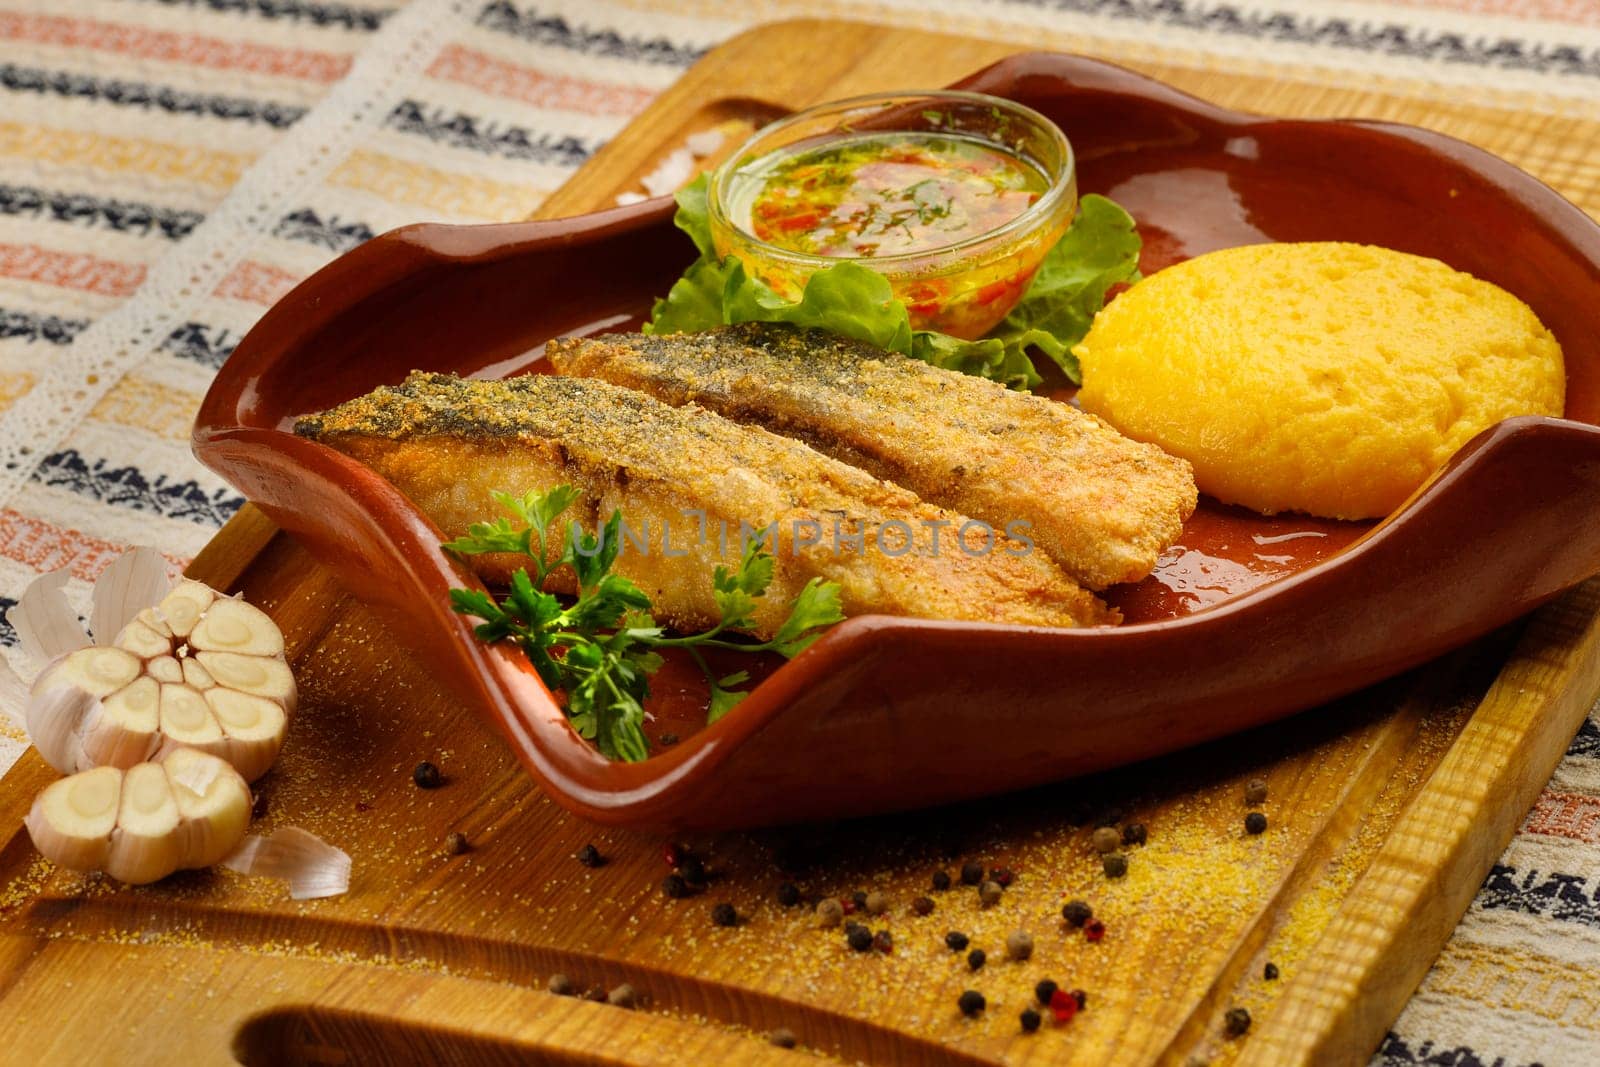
x=1385, y=811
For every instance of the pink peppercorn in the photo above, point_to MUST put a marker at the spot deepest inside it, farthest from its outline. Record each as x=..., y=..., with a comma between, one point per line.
x=1094, y=930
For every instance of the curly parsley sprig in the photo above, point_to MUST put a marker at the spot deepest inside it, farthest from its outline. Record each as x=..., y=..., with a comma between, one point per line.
x=601, y=648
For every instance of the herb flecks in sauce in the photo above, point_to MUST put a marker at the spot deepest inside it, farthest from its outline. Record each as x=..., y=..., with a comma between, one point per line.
x=889, y=194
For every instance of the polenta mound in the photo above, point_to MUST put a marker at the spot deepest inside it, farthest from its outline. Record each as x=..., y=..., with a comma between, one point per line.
x=1326, y=378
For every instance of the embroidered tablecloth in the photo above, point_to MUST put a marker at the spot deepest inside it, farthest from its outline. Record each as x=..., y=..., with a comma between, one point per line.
x=169, y=168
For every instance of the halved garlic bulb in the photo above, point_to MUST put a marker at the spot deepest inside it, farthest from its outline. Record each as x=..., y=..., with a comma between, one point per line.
x=198, y=670
x=138, y=825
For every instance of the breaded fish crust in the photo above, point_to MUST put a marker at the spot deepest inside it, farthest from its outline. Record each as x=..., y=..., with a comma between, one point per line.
x=1101, y=505
x=685, y=480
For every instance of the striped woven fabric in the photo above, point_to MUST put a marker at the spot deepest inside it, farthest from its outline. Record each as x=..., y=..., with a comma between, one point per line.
x=169, y=168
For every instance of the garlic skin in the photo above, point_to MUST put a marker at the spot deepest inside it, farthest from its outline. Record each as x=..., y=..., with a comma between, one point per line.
x=198, y=670
x=139, y=825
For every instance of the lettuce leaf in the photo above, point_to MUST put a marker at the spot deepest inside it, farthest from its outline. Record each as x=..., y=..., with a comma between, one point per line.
x=1099, y=250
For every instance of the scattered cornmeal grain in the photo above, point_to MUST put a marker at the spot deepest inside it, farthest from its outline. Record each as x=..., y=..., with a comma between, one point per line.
x=1321, y=377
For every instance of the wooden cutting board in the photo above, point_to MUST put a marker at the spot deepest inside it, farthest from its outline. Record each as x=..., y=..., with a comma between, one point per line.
x=1386, y=810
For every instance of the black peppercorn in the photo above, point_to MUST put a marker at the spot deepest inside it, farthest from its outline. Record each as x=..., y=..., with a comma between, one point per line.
x=675, y=887
x=427, y=776
x=971, y=1003
x=1255, y=823
x=922, y=905
x=1115, y=864
x=859, y=938
x=596, y=994
x=788, y=894
x=560, y=985
x=971, y=873
x=1270, y=972
x=1135, y=834
x=1044, y=991
x=956, y=940
x=1077, y=912
x=859, y=899
x=976, y=958
x=692, y=868
x=941, y=881
x=725, y=915
x=1030, y=1020
x=1236, y=1022
x=782, y=1038
x=590, y=856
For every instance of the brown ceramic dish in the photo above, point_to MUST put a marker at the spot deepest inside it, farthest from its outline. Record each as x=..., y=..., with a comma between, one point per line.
x=887, y=713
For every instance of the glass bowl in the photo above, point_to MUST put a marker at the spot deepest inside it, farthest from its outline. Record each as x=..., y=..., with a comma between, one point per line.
x=962, y=288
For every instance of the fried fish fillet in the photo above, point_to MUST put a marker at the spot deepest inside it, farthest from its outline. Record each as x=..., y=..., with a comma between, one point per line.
x=690, y=484
x=1101, y=505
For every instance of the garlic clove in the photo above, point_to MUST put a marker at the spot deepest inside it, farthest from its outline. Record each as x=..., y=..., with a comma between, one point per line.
x=143, y=641
x=125, y=728
x=186, y=719
x=165, y=669
x=214, y=802
x=97, y=671
x=196, y=676
x=254, y=727
x=183, y=607
x=152, y=618
x=55, y=719
x=146, y=844
x=256, y=675
x=231, y=625
x=72, y=820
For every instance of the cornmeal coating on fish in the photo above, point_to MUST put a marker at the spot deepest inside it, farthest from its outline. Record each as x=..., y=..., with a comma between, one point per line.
x=1103, y=506
x=691, y=476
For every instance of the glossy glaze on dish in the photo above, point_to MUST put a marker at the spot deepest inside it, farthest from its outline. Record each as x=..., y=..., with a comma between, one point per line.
x=941, y=706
